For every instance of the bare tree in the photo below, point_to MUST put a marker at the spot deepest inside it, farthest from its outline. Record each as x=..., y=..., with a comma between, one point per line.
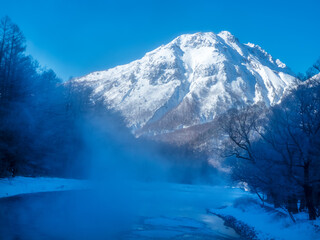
x=278, y=149
x=312, y=71
x=293, y=131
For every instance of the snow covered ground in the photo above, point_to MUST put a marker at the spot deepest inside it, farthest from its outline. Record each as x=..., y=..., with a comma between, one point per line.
x=270, y=223
x=23, y=185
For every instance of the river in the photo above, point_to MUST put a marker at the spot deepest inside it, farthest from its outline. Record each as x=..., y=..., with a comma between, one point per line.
x=143, y=211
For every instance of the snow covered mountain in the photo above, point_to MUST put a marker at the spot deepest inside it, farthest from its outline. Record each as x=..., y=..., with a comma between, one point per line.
x=188, y=82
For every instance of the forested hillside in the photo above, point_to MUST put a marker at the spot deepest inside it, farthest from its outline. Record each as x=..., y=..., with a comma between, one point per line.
x=38, y=114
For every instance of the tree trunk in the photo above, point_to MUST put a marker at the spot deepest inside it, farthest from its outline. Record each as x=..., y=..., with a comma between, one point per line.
x=292, y=204
x=308, y=192
x=302, y=204
x=276, y=201
x=309, y=202
x=318, y=202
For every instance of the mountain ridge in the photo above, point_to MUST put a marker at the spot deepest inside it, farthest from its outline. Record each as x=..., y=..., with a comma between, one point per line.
x=189, y=81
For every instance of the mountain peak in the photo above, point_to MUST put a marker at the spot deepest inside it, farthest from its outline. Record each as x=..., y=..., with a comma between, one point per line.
x=203, y=39
x=227, y=36
x=189, y=81
x=198, y=39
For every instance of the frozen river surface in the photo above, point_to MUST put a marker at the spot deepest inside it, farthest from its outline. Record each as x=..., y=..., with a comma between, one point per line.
x=143, y=211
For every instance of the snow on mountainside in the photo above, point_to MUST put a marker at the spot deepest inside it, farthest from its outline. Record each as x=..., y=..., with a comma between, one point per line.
x=189, y=81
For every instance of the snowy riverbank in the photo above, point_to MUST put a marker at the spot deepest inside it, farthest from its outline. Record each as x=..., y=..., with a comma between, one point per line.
x=24, y=185
x=253, y=221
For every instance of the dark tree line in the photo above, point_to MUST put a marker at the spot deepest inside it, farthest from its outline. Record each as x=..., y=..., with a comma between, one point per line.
x=312, y=71
x=39, y=115
x=276, y=151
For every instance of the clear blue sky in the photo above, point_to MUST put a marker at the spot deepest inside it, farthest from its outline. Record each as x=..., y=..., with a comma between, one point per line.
x=75, y=37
